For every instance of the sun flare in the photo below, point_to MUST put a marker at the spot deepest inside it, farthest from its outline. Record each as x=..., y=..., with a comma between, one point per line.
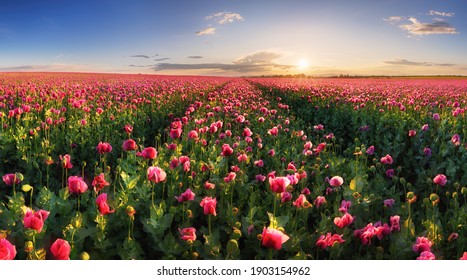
x=303, y=64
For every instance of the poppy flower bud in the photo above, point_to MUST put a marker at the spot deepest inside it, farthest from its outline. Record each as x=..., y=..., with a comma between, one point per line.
x=434, y=198
x=28, y=246
x=232, y=247
x=84, y=256
x=130, y=211
x=236, y=234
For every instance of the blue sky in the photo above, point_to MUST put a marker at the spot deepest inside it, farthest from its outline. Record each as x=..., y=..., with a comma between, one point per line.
x=236, y=37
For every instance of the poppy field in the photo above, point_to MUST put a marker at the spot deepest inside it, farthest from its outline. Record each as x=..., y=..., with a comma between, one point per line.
x=104, y=166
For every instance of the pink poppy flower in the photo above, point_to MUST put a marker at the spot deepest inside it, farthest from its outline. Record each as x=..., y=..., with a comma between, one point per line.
x=11, y=179
x=7, y=250
x=387, y=159
x=193, y=134
x=345, y=205
x=128, y=128
x=440, y=180
x=76, y=185
x=247, y=132
x=66, y=161
x=209, y=205
x=259, y=163
x=278, y=184
x=319, y=201
x=149, y=153
x=102, y=206
x=226, y=150
x=230, y=177
x=456, y=140
x=427, y=256
x=187, y=233
x=328, y=240
x=336, y=181
x=422, y=244
x=285, y=197
x=99, y=182
x=273, y=131
x=301, y=201
x=343, y=221
x=129, y=145
x=395, y=223
x=103, y=148
x=61, y=249
x=35, y=220
x=273, y=238
x=156, y=174
x=260, y=178
x=188, y=195
x=209, y=186
x=388, y=203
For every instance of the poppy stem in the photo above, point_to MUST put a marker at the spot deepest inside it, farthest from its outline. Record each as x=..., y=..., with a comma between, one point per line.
x=152, y=194
x=129, y=229
x=30, y=198
x=14, y=186
x=209, y=225
x=274, y=212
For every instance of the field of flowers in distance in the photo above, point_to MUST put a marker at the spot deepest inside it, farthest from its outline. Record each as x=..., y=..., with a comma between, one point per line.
x=103, y=166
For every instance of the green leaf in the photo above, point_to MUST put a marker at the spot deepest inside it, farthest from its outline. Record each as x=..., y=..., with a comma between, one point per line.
x=276, y=222
x=357, y=184
x=130, y=182
x=130, y=250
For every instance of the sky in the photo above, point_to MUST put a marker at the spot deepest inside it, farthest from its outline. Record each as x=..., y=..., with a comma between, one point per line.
x=235, y=37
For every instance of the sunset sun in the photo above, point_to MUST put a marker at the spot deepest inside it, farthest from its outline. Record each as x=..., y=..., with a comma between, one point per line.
x=303, y=64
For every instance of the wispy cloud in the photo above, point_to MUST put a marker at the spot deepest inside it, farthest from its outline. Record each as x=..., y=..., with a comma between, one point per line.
x=441, y=14
x=225, y=17
x=206, y=31
x=145, y=66
x=162, y=59
x=419, y=28
x=194, y=57
x=258, y=62
x=55, y=67
x=140, y=55
x=394, y=19
x=260, y=57
x=417, y=63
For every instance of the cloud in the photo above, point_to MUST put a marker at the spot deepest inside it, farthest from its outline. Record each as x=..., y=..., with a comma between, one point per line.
x=225, y=17
x=231, y=67
x=393, y=19
x=260, y=57
x=194, y=57
x=442, y=14
x=419, y=28
x=140, y=55
x=206, y=31
x=162, y=59
x=258, y=62
x=56, y=67
x=132, y=65
x=417, y=63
